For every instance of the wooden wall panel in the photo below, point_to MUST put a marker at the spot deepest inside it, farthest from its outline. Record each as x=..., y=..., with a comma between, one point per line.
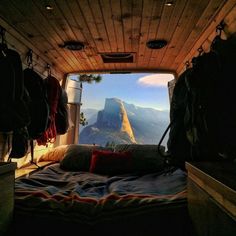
x=226, y=13
x=116, y=26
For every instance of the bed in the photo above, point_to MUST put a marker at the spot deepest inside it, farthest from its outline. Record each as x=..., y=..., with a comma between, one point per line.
x=62, y=199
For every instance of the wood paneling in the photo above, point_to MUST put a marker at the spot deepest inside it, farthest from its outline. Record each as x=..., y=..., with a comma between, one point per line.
x=114, y=26
x=211, y=197
x=204, y=39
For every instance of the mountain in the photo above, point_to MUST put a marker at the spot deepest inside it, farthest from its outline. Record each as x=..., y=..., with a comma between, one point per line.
x=148, y=124
x=121, y=122
x=112, y=125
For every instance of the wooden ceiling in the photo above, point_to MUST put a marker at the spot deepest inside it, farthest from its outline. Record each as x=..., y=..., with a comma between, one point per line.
x=114, y=26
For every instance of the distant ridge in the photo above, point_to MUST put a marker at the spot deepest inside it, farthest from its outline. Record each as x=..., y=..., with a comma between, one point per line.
x=120, y=122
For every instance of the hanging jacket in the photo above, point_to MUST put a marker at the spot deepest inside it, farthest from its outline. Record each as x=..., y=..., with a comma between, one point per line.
x=14, y=111
x=53, y=88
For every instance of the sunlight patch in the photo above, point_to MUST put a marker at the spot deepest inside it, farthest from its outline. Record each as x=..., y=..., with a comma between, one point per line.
x=156, y=80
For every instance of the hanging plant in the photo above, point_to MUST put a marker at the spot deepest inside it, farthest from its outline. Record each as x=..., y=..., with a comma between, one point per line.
x=89, y=78
x=83, y=120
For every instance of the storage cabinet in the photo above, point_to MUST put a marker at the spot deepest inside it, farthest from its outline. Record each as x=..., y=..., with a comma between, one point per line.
x=212, y=198
x=7, y=178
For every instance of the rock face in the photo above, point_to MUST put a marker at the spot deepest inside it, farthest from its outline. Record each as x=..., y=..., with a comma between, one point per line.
x=120, y=122
x=148, y=124
x=112, y=125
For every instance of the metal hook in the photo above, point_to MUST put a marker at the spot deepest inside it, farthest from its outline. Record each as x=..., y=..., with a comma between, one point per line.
x=3, y=34
x=29, y=57
x=200, y=50
x=187, y=64
x=220, y=27
x=2, y=30
x=48, y=67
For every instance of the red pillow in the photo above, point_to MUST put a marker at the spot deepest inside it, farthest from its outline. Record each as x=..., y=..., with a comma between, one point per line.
x=110, y=163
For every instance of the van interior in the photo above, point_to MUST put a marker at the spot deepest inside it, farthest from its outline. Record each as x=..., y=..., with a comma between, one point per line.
x=123, y=166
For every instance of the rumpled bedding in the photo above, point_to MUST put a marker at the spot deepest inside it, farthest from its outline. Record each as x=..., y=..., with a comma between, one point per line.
x=88, y=197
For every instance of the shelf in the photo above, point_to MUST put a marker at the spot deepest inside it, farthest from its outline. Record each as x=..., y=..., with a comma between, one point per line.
x=6, y=167
x=212, y=197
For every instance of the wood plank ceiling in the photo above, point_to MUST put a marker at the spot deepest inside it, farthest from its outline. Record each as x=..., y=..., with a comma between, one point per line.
x=106, y=26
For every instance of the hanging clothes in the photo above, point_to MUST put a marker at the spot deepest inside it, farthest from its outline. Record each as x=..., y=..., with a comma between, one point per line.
x=62, y=114
x=53, y=88
x=14, y=111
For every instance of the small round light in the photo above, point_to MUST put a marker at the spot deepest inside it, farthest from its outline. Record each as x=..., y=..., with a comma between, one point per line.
x=49, y=7
x=169, y=3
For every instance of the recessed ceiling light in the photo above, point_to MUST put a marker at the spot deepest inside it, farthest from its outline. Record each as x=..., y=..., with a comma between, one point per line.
x=156, y=43
x=169, y=3
x=49, y=7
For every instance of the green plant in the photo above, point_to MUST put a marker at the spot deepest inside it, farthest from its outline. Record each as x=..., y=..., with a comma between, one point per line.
x=83, y=120
x=89, y=78
x=110, y=144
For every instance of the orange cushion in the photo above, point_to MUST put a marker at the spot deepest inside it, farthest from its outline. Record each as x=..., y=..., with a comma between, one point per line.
x=55, y=154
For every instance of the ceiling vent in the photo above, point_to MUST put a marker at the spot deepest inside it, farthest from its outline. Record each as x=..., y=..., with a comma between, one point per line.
x=117, y=57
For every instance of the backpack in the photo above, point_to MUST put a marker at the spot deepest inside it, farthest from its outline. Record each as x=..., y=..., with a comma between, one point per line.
x=20, y=136
x=14, y=111
x=188, y=135
x=178, y=146
x=212, y=84
x=61, y=118
x=20, y=143
x=203, y=118
x=226, y=49
x=204, y=91
x=38, y=104
x=194, y=133
x=53, y=89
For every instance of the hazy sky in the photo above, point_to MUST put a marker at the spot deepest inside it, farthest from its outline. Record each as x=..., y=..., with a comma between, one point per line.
x=145, y=90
